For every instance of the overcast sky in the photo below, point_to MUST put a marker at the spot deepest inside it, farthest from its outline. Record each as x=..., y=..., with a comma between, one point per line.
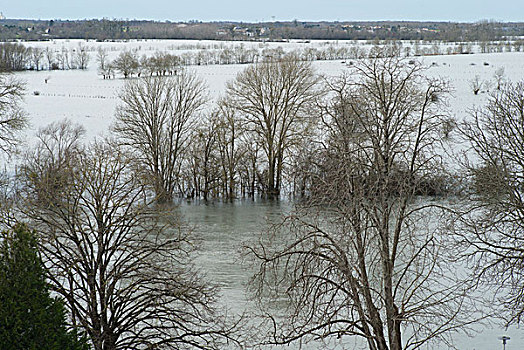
x=267, y=10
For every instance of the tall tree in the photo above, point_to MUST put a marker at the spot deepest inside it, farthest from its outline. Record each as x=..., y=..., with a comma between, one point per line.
x=29, y=317
x=365, y=256
x=275, y=99
x=154, y=121
x=228, y=133
x=124, y=269
x=203, y=163
x=493, y=220
x=103, y=62
x=12, y=117
x=36, y=57
x=81, y=57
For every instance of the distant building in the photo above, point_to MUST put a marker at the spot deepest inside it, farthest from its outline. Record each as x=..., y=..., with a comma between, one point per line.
x=2, y=16
x=243, y=31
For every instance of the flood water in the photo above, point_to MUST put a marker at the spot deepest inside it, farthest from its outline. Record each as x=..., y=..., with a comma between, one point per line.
x=224, y=228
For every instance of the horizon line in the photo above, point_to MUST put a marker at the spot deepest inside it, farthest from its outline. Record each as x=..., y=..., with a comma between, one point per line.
x=193, y=20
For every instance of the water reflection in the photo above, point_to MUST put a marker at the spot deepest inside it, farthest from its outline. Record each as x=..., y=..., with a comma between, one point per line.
x=224, y=227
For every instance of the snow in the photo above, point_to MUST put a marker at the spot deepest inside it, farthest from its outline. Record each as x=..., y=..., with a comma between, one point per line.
x=87, y=99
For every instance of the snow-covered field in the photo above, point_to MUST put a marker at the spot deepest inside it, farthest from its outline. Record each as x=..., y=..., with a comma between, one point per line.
x=87, y=99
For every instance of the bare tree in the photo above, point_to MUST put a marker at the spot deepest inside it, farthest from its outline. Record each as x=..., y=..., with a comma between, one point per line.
x=103, y=63
x=126, y=63
x=275, y=98
x=493, y=221
x=216, y=154
x=13, y=57
x=476, y=84
x=50, y=58
x=81, y=57
x=228, y=132
x=499, y=77
x=147, y=65
x=203, y=168
x=366, y=256
x=12, y=117
x=36, y=57
x=62, y=59
x=123, y=268
x=154, y=120
x=160, y=64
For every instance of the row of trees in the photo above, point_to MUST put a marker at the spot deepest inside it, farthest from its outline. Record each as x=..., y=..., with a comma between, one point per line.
x=256, y=140
x=128, y=63
x=241, y=148
x=365, y=254
x=18, y=57
x=489, y=47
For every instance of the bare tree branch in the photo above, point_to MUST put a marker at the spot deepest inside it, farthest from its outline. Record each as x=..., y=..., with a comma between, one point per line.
x=123, y=266
x=366, y=255
x=12, y=117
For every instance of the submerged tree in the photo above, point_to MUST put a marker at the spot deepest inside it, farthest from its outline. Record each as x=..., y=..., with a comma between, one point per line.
x=154, y=121
x=202, y=163
x=493, y=225
x=275, y=99
x=232, y=151
x=12, y=117
x=123, y=268
x=365, y=256
x=29, y=317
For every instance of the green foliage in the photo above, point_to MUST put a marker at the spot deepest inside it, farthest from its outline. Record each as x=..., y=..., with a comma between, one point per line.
x=30, y=318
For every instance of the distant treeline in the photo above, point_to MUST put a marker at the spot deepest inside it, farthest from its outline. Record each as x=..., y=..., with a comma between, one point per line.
x=105, y=29
x=18, y=57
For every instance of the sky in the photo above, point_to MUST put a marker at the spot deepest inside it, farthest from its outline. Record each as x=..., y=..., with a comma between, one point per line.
x=268, y=10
